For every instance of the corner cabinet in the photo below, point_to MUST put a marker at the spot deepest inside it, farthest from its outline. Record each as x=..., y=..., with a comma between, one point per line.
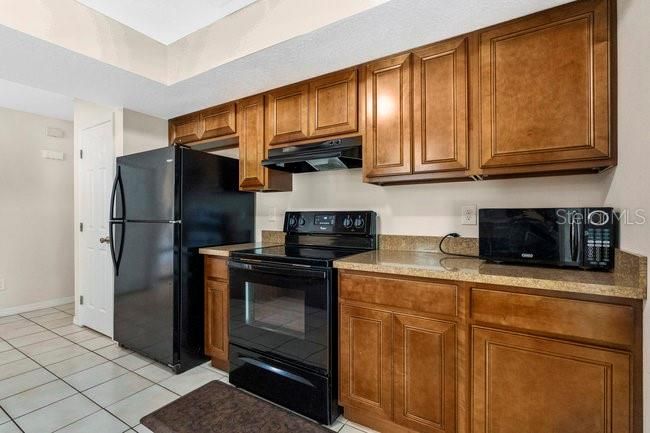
x=252, y=175
x=545, y=90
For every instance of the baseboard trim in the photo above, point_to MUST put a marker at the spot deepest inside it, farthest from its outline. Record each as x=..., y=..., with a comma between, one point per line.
x=36, y=306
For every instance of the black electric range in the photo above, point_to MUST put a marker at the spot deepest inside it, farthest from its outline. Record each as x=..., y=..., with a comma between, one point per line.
x=283, y=311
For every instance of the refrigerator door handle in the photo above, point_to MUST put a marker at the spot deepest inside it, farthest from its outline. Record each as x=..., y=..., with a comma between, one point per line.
x=116, y=257
x=117, y=183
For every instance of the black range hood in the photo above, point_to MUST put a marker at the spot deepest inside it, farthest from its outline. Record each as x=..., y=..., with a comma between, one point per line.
x=330, y=155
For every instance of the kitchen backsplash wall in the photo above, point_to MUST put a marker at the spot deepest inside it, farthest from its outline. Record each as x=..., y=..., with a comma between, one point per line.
x=427, y=209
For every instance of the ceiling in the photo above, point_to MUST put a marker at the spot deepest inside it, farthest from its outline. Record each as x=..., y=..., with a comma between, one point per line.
x=384, y=28
x=166, y=20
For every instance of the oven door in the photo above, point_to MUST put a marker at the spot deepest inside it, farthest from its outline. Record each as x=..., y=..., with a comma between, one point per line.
x=282, y=310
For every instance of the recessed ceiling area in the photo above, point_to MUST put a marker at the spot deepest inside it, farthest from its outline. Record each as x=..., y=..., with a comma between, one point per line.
x=166, y=21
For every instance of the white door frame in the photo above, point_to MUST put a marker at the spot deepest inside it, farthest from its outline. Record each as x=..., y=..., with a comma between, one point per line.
x=79, y=310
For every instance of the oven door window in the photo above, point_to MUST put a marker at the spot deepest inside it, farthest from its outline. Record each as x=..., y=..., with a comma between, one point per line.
x=275, y=309
x=281, y=310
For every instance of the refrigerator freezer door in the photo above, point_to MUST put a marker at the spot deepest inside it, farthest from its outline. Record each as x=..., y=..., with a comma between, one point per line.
x=146, y=188
x=145, y=312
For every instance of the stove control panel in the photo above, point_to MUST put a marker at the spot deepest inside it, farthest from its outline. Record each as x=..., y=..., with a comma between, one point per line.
x=333, y=222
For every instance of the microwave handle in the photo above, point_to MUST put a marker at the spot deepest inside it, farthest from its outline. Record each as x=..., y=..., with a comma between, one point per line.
x=575, y=237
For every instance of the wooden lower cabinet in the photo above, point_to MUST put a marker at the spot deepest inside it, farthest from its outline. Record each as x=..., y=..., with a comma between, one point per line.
x=366, y=360
x=505, y=360
x=216, y=311
x=424, y=374
x=399, y=369
x=523, y=383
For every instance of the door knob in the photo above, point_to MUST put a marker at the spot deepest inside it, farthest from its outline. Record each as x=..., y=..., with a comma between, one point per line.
x=105, y=240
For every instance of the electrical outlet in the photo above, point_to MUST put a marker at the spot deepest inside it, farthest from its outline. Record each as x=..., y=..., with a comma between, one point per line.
x=2, y=284
x=468, y=215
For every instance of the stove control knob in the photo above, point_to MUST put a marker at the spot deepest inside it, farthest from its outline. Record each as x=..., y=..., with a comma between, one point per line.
x=358, y=223
x=293, y=221
x=301, y=221
x=347, y=222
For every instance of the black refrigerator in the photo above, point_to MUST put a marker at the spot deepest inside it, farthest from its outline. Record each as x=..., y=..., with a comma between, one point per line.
x=165, y=205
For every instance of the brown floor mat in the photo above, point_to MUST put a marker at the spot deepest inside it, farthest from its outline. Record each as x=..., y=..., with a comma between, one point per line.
x=220, y=408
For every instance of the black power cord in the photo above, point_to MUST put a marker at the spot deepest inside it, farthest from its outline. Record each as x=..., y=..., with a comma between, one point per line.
x=453, y=235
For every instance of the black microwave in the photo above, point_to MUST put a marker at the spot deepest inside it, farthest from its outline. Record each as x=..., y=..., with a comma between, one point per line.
x=567, y=237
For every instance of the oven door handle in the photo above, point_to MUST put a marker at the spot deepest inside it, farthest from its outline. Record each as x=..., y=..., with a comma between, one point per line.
x=276, y=370
x=285, y=271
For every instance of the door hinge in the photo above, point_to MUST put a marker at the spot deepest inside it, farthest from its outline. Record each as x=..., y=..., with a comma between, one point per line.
x=81, y=227
x=81, y=300
x=81, y=154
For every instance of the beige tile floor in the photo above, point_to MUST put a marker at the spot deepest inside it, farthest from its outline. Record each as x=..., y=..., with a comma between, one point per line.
x=58, y=377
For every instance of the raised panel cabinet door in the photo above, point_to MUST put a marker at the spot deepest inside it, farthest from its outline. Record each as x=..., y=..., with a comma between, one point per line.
x=288, y=114
x=219, y=121
x=252, y=175
x=424, y=366
x=216, y=320
x=366, y=360
x=522, y=383
x=186, y=129
x=544, y=88
x=333, y=104
x=440, y=122
x=388, y=146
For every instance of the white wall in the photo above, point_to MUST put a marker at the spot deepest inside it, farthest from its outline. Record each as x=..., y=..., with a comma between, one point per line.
x=36, y=212
x=426, y=209
x=142, y=132
x=629, y=186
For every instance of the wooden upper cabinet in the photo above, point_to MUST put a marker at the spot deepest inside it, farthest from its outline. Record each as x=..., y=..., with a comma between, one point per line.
x=186, y=129
x=440, y=100
x=530, y=384
x=424, y=391
x=252, y=175
x=219, y=121
x=333, y=104
x=366, y=360
x=544, y=85
x=387, y=150
x=287, y=114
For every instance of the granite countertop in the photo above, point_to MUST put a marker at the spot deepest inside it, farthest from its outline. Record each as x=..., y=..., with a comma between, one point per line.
x=225, y=250
x=627, y=281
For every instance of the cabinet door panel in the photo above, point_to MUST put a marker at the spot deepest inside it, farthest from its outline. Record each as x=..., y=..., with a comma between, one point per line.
x=187, y=128
x=333, y=104
x=545, y=88
x=388, y=93
x=530, y=384
x=219, y=121
x=251, y=143
x=440, y=122
x=424, y=374
x=216, y=319
x=365, y=360
x=288, y=114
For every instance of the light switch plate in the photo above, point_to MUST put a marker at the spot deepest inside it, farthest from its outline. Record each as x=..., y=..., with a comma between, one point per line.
x=52, y=154
x=273, y=214
x=468, y=215
x=2, y=284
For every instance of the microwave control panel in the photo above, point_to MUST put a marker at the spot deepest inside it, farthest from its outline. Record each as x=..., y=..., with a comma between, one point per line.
x=600, y=238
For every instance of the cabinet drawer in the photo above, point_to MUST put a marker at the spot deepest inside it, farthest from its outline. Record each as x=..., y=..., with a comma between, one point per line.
x=583, y=319
x=427, y=297
x=216, y=268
